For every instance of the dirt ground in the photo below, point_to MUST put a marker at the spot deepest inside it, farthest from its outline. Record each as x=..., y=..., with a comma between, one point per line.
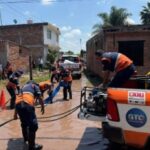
x=69, y=133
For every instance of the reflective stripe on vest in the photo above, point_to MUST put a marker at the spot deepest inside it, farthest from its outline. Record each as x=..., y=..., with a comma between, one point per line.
x=26, y=97
x=122, y=62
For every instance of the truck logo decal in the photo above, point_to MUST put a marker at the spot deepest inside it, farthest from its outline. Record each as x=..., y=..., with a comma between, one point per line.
x=136, y=97
x=136, y=117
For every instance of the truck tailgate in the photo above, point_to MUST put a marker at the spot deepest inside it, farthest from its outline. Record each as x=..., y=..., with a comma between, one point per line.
x=134, y=113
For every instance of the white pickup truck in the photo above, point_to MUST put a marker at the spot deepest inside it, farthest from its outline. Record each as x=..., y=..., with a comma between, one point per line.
x=73, y=63
x=124, y=112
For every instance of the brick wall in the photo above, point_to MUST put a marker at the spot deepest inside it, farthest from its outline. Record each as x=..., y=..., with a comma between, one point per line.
x=95, y=43
x=17, y=56
x=3, y=52
x=23, y=35
x=30, y=36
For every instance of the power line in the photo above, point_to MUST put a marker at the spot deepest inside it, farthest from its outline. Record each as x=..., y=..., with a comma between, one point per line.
x=37, y=1
x=18, y=12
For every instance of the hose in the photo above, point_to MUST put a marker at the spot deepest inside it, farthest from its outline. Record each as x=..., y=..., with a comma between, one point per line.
x=60, y=113
x=2, y=124
x=59, y=117
x=69, y=112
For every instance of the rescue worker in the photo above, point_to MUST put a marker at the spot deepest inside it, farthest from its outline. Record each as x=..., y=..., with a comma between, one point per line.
x=13, y=86
x=67, y=78
x=8, y=70
x=26, y=111
x=54, y=74
x=46, y=86
x=118, y=63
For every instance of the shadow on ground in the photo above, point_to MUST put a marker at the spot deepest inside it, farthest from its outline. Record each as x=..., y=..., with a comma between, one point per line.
x=93, y=139
x=16, y=144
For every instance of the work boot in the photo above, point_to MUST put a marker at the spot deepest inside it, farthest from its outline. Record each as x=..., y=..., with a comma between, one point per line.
x=38, y=147
x=25, y=135
x=32, y=145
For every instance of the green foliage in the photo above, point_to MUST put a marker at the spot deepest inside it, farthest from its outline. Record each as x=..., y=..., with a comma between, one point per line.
x=116, y=17
x=69, y=52
x=145, y=14
x=51, y=56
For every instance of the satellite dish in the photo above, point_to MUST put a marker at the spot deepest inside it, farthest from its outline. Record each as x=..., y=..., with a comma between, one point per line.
x=15, y=21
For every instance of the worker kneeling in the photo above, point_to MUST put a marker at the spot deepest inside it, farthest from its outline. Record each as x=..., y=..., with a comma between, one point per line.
x=26, y=111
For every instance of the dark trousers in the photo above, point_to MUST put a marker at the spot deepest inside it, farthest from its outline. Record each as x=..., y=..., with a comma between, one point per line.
x=54, y=76
x=122, y=76
x=29, y=122
x=40, y=67
x=67, y=89
x=12, y=93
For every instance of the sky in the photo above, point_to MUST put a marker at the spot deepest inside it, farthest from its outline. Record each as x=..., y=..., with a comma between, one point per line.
x=74, y=18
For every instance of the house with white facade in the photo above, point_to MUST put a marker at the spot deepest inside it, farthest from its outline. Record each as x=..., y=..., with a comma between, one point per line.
x=37, y=37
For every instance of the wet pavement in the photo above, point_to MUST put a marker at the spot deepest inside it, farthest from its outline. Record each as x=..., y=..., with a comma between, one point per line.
x=56, y=132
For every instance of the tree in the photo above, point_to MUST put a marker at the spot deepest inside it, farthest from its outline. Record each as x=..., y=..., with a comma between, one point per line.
x=117, y=17
x=51, y=56
x=69, y=52
x=145, y=14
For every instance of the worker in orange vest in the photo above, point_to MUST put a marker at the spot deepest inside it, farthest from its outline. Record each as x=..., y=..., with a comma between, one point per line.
x=26, y=111
x=118, y=63
x=67, y=78
x=46, y=86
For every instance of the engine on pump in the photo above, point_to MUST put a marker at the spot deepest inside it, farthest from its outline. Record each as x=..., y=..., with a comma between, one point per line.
x=93, y=101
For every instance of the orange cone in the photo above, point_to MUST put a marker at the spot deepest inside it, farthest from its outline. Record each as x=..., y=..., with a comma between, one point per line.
x=2, y=100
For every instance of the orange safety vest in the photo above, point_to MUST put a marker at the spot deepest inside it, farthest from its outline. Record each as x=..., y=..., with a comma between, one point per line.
x=122, y=62
x=27, y=97
x=43, y=85
x=69, y=78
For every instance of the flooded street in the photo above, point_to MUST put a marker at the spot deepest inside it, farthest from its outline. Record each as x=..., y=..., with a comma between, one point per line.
x=57, y=130
x=68, y=133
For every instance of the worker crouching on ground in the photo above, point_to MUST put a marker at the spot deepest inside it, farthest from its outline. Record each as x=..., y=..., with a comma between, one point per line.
x=13, y=86
x=67, y=78
x=26, y=111
x=113, y=61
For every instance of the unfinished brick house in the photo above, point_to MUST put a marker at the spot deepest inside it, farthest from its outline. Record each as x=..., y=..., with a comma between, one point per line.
x=133, y=41
x=37, y=37
x=17, y=55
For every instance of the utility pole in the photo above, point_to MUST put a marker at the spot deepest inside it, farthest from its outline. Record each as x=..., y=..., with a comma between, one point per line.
x=80, y=44
x=30, y=67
